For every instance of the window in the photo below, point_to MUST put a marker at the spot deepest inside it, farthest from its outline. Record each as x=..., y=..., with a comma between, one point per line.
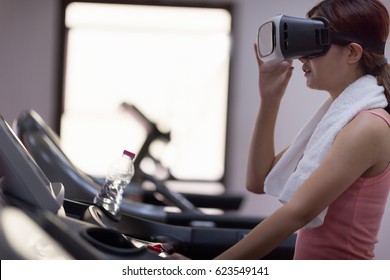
x=172, y=63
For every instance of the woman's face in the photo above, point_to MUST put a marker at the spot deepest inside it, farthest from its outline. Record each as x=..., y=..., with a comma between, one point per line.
x=329, y=72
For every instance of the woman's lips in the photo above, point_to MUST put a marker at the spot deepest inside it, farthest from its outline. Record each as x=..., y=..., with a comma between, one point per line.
x=306, y=70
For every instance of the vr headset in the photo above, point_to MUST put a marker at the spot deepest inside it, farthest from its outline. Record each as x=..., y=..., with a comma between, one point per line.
x=284, y=38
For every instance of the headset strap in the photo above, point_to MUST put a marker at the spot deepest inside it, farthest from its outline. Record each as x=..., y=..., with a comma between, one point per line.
x=367, y=43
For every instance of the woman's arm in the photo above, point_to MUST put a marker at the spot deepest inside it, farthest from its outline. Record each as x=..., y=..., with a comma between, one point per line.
x=273, y=80
x=361, y=146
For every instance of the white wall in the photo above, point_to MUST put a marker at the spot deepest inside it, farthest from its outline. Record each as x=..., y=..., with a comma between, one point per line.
x=28, y=76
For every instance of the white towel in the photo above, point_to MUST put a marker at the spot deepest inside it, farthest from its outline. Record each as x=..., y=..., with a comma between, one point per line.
x=315, y=139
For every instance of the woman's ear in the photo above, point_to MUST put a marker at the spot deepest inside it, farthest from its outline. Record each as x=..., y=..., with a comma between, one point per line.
x=355, y=52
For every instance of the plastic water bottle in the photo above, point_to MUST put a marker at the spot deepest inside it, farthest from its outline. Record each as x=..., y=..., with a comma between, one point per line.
x=118, y=177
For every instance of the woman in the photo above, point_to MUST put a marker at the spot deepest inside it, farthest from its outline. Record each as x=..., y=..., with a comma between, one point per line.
x=344, y=194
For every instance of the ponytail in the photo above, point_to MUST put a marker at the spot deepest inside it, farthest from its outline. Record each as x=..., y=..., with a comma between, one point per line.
x=377, y=65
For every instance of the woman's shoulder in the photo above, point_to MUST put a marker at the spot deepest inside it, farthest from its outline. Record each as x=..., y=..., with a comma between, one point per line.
x=369, y=121
x=369, y=130
x=378, y=113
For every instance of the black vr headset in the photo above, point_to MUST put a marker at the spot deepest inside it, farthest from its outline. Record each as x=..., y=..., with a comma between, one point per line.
x=284, y=37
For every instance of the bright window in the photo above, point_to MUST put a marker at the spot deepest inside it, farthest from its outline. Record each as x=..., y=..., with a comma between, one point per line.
x=172, y=63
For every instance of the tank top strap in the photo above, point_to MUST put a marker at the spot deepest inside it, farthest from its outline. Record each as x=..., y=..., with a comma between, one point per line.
x=384, y=117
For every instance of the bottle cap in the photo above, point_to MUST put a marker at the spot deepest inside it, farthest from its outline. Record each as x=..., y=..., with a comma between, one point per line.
x=130, y=154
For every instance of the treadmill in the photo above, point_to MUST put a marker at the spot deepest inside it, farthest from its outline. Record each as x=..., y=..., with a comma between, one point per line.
x=86, y=232
x=33, y=223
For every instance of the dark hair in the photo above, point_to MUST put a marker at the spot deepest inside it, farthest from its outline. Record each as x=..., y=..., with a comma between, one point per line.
x=364, y=19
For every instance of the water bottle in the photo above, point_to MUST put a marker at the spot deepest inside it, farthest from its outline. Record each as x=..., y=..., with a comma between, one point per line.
x=118, y=177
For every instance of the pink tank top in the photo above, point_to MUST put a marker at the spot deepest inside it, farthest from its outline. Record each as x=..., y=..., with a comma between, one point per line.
x=352, y=222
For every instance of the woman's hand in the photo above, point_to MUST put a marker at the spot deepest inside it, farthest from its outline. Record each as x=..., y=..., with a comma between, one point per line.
x=273, y=78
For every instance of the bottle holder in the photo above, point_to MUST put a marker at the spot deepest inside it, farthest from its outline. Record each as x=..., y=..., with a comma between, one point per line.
x=110, y=240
